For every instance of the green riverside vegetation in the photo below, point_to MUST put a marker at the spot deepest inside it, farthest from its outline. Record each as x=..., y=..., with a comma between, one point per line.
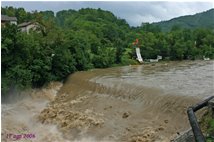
x=85, y=39
x=207, y=126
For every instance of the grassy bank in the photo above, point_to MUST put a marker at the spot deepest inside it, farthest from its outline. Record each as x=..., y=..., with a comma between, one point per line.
x=207, y=126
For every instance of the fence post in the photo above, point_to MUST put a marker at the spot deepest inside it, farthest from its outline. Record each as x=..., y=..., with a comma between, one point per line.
x=199, y=137
x=195, y=126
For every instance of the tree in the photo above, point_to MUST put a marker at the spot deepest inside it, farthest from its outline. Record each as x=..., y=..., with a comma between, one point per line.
x=80, y=40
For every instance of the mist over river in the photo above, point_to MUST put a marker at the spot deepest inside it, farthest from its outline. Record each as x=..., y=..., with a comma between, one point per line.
x=131, y=103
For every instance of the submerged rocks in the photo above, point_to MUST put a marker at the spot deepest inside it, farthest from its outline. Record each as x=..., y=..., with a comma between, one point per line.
x=126, y=114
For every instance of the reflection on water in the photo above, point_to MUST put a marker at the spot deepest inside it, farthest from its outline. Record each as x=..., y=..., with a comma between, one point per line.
x=132, y=103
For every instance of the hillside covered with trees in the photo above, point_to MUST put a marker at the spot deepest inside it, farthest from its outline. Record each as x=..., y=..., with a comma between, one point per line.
x=199, y=20
x=84, y=39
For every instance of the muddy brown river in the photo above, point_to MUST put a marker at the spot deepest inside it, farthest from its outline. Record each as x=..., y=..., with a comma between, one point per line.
x=140, y=103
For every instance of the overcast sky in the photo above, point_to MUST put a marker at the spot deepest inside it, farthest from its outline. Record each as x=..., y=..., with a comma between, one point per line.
x=134, y=12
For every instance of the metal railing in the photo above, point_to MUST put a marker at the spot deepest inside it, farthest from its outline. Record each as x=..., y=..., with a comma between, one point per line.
x=199, y=137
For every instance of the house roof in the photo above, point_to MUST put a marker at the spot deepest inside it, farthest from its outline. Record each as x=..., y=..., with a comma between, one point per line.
x=7, y=18
x=25, y=24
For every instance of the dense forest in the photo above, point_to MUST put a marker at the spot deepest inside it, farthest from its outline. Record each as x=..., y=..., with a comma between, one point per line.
x=88, y=38
x=199, y=20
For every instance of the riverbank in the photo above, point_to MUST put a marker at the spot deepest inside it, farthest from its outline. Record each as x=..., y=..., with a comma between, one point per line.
x=207, y=126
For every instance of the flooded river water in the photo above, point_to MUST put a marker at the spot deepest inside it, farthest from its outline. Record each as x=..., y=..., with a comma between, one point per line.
x=139, y=103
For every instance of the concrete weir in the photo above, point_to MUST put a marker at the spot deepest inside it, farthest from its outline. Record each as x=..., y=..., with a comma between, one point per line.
x=186, y=136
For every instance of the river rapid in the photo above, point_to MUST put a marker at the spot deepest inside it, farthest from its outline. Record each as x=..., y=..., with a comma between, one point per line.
x=139, y=103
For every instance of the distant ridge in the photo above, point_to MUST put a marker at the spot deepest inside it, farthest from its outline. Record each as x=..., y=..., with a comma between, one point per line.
x=199, y=20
